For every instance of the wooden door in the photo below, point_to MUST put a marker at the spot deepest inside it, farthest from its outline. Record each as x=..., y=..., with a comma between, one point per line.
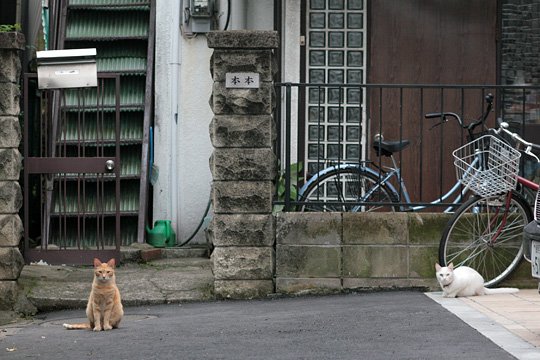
x=428, y=42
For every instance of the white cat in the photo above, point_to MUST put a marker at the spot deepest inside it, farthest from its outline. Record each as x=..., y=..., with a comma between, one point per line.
x=465, y=281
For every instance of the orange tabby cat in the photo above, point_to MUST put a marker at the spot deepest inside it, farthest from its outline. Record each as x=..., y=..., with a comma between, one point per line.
x=104, y=309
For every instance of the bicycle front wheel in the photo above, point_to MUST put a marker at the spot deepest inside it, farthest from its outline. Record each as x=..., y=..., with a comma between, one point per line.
x=339, y=188
x=485, y=233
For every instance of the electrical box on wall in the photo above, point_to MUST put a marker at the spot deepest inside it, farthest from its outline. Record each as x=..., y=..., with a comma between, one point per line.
x=198, y=16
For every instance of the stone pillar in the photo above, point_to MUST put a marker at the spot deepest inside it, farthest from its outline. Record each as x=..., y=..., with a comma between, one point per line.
x=243, y=164
x=11, y=228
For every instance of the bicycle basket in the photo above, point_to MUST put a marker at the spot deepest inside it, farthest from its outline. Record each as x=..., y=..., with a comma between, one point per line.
x=487, y=165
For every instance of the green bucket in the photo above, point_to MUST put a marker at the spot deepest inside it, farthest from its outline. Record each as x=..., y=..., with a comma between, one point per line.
x=162, y=235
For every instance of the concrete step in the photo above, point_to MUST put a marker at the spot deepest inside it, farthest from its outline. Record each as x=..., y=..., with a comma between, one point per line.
x=163, y=281
x=144, y=252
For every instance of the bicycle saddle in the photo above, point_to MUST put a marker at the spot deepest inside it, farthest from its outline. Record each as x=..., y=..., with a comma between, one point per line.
x=387, y=148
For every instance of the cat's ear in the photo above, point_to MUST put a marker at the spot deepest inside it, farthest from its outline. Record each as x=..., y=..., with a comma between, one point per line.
x=438, y=267
x=451, y=266
x=96, y=262
x=111, y=262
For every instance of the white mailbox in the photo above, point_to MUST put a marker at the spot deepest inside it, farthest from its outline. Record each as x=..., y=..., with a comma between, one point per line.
x=60, y=69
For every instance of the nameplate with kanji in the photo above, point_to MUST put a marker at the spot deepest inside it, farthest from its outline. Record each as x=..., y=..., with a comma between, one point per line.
x=242, y=80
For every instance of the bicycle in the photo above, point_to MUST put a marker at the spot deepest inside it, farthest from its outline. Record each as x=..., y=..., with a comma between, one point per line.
x=360, y=187
x=486, y=232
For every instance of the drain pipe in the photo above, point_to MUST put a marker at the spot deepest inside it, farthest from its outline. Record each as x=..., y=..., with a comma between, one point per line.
x=238, y=14
x=174, y=67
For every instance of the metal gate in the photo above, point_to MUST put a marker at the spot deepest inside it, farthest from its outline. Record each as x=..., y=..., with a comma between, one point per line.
x=72, y=172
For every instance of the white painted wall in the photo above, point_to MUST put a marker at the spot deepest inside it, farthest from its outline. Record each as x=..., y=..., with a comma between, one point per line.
x=182, y=149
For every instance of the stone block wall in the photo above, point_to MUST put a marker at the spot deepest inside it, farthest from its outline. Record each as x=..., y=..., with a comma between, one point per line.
x=11, y=227
x=243, y=164
x=333, y=252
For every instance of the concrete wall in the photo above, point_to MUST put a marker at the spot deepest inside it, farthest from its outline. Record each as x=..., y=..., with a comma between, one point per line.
x=333, y=252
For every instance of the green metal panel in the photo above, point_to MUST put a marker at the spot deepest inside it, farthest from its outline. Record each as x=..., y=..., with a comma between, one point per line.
x=85, y=129
x=129, y=199
x=121, y=64
x=108, y=3
x=111, y=4
x=104, y=25
x=132, y=90
x=128, y=234
x=127, y=57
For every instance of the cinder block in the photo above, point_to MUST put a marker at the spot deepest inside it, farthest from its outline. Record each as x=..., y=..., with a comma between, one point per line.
x=242, y=61
x=427, y=228
x=375, y=228
x=11, y=263
x=243, y=263
x=319, y=286
x=308, y=261
x=243, y=39
x=243, y=230
x=10, y=197
x=10, y=164
x=10, y=132
x=230, y=197
x=12, y=40
x=8, y=294
x=242, y=131
x=228, y=101
x=11, y=230
x=243, y=289
x=390, y=284
x=422, y=261
x=375, y=261
x=10, y=66
x=9, y=99
x=308, y=228
x=243, y=164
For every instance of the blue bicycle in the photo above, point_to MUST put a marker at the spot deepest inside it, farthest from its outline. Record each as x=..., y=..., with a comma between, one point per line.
x=365, y=186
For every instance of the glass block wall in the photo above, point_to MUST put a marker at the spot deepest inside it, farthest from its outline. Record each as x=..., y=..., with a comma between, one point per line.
x=336, y=44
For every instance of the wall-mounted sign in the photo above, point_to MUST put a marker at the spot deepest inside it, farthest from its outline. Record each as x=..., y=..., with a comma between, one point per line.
x=242, y=80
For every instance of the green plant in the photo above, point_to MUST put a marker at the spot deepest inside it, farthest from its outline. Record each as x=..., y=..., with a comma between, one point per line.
x=296, y=172
x=8, y=28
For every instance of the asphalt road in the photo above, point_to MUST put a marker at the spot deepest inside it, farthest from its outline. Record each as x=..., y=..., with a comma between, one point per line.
x=386, y=325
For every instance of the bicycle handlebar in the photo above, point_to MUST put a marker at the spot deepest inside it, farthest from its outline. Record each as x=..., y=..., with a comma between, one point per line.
x=471, y=126
x=503, y=127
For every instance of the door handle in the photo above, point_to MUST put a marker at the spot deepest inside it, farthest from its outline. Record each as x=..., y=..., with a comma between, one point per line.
x=109, y=165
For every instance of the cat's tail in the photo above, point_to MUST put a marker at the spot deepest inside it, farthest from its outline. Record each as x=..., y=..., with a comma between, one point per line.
x=500, y=291
x=81, y=326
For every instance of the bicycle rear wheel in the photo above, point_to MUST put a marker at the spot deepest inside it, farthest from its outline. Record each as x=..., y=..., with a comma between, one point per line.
x=345, y=185
x=486, y=234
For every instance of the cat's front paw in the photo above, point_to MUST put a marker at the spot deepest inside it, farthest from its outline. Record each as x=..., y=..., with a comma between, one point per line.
x=107, y=327
x=97, y=328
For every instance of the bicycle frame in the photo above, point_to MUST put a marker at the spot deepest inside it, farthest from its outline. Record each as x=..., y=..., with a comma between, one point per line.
x=384, y=180
x=528, y=183
x=385, y=176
